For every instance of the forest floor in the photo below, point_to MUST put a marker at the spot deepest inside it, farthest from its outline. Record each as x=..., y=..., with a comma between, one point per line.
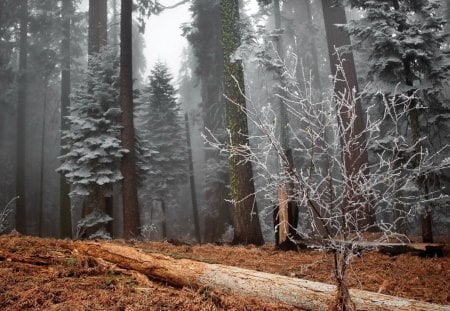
x=41, y=274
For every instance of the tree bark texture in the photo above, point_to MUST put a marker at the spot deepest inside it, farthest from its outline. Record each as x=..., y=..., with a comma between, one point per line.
x=353, y=140
x=247, y=229
x=65, y=210
x=207, y=47
x=129, y=185
x=305, y=294
x=21, y=206
x=192, y=181
x=98, y=21
x=286, y=218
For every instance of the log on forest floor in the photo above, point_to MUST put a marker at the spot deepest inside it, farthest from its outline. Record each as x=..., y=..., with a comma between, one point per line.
x=296, y=292
x=421, y=249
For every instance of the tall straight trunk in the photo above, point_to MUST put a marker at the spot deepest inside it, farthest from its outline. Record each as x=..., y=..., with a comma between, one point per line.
x=192, y=182
x=65, y=210
x=129, y=185
x=98, y=20
x=313, y=51
x=247, y=229
x=353, y=140
x=164, y=221
x=115, y=27
x=286, y=220
x=42, y=161
x=21, y=212
x=218, y=211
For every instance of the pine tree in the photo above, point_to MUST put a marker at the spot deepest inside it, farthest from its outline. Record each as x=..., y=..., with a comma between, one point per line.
x=406, y=40
x=91, y=164
x=160, y=116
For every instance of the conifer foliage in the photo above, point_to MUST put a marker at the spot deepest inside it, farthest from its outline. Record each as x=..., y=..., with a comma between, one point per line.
x=93, y=142
x=159, y=114
x=406, y=39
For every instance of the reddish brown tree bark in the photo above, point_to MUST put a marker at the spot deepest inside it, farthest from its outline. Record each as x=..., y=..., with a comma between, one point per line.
x=129, y=185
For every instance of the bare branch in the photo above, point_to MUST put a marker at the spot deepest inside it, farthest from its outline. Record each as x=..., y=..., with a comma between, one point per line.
x=164, y=7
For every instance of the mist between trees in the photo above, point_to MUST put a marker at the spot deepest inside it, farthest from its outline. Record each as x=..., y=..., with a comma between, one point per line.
x=343, y=124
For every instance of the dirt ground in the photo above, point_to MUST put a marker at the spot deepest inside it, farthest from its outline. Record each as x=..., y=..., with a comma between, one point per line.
x=40, y=274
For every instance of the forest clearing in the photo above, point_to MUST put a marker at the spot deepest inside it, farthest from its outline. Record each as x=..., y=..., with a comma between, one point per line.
x=45, y=274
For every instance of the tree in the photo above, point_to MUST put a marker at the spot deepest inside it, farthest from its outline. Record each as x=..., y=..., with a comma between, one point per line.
x=407, y=40
x=247, y=229
x=65, y=208
x=94, y=149
x=129, y=185
x=164, y=132
x=192, y=181
x=322, y=191
x=355, y=156
x=98, y=20
x=205, y=37
x=8, y=15
x=21, y=212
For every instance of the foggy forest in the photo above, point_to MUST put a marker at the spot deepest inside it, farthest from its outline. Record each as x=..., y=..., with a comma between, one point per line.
x=295, y=155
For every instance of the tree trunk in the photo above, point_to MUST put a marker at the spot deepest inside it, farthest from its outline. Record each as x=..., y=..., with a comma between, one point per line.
x=98, y=20
x=115, y=27
x=164, y=220
x=208, y=48
x=21, y=212
x=192, y=182
x=308, y=295
x=42, y=161
x=287, y=212
x=129, y=185
x=247, y=229
x=353, y=140
x=65, y=210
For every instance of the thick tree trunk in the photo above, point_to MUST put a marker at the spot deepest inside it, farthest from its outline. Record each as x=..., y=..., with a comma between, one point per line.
x=192, y=181
x=65, y=211
x=287, y=211
x=129, y=185
x=247, y=229
x=304, y=294
x=21, y=206
x=209, y=49
x=353, y=140
x=98, y=21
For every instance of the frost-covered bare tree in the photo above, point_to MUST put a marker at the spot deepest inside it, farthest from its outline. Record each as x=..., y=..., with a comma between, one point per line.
x=322, y=183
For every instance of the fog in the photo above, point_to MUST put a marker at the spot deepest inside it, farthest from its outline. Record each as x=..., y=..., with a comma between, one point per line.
x=180, y=56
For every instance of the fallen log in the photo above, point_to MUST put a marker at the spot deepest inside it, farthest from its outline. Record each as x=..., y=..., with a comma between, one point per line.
x=304, y=294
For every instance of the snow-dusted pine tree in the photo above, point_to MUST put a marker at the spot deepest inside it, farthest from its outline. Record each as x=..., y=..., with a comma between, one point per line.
x=164, y=131
x=406, y=40
x=92, y=162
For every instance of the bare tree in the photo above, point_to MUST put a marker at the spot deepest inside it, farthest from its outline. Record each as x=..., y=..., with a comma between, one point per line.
x=321, y=182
